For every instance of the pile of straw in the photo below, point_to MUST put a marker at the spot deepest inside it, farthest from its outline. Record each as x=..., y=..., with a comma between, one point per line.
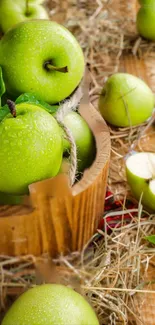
x=112, y=270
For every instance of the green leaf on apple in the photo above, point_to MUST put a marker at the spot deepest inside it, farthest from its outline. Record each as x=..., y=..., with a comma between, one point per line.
x=4, y=111
x=2, y=84
x=151, y=239
x=33, y=99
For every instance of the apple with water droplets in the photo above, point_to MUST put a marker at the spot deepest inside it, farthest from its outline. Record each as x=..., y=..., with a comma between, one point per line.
x=50, y=304
x=41, y=57
x=30, y=148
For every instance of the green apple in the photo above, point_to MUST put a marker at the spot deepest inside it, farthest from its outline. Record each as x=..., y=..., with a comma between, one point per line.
x=146, y=22
x=50, y=304
x=65, y=166
x=140, y=171
x=36, y=1
x=30, y=148
x=84, y=140
x=9, y=199
x=41, y=57
x=14, y=12
x=126, y=100
x=147, y=2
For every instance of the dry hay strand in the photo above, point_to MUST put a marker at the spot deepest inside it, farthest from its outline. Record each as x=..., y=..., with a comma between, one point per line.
x=111, y=271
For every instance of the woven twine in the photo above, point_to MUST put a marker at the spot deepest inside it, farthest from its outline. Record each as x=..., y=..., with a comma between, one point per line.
x=66, y=107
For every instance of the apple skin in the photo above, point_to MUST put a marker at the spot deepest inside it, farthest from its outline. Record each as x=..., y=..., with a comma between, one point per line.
x=14, y=12
x=30, y=148
x=146, y=22
x=124, y=91
x=65, y=166
x=139, y=185
x=33, y=43
x=50, y=304
x=84, y=140
x=37, y=1
x=146, y=2
x=8, y=199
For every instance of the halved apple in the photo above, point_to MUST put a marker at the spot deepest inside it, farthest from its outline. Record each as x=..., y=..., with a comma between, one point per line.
x=140, y=171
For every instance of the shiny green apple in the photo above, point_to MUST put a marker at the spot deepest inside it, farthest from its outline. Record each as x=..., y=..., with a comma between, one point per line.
x=50, y=304
x=41, y=57
x=84, y=140
x=146, y=22
x=30, y=148
x=16, y=11
x=126, y=100
x=140, y=171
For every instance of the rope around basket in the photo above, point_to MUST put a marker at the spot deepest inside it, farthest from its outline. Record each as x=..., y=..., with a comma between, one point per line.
x=66, y=107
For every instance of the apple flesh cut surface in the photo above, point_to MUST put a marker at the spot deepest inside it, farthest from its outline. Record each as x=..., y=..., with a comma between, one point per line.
x=126, y=100
x=30, y=148
x=41, y=57
x=140, y=171
x=146, y=22
x=16, y=11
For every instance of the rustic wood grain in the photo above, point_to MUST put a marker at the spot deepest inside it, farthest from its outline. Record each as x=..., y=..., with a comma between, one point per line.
x=132, y=64
x=59, y=219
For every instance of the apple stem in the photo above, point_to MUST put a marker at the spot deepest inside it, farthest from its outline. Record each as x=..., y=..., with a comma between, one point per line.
x=48, y=66
x=12, y=107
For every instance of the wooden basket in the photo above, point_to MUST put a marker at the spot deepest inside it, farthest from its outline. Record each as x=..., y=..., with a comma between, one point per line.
x=60, y=219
